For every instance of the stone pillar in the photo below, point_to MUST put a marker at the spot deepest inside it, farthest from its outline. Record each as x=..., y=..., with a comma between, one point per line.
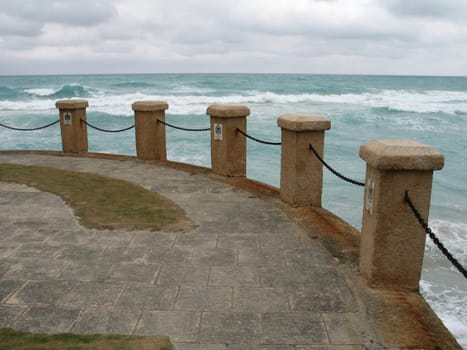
x=228, y=147
x=74, y=131
x=393, y=241
x=301, y=172
x=150, y=134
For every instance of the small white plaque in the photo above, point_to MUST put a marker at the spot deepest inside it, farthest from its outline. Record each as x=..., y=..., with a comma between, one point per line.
x=370, y=195
x=67, y=118
x=218, y=132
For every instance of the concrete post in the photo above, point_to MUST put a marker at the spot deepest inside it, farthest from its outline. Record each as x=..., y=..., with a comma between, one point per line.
x=228, y=147
x=393, y=242
x=301, y=172
x=150, y=134
x=74, y=131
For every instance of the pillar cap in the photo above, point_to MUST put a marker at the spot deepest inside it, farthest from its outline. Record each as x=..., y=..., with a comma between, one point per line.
x=228, y=111
x=149, y=106
x=303, y=122
x=72, y=104
x=401, y=155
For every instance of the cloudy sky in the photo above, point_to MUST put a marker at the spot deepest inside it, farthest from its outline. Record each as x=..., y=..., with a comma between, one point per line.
x=284, y=36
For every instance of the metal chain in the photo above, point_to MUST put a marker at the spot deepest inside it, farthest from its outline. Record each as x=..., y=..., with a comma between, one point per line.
x=258, y=140
x=105, y=130
x=32, y=129
x=433, y=237
x=345, y=178
x=180, y=128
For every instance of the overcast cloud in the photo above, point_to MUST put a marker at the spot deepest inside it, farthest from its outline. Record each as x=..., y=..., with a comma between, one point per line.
x=306, y=36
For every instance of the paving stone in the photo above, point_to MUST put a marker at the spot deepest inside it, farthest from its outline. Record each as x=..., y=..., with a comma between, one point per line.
x=125, y=254
x=230, y=328
x=204, y=299
x=25, y=269
x=31, y=250
x=260, y=300
x=260, y=257
x=144, y=238
x=345, y=329
x=149, y=297
x=134, y=272
x=332, y=347
x=8, y=314
x=293, y=328
x=287, y=227
x=41, y=292
x=186, y=275
x=284, y=277
x=191, y=346
x=176, y=255
x=7, y=248
x=280, y=241
x=309, y=257
x=196, y=240
x=5, y=266
x=30, y=234
x=234, y=276
x=259, y=226
x=238, y=240
x=92, y=271
x=180, y=326
x=316, y=299
x=259, y=347
x=111, y=238
x=86, y=294
x=216, y=227
x=71, y=237
x=80, y=253
x=51, y=319
x=328, y=276
x=7, y=287
x=214, y=256
x=107, y=321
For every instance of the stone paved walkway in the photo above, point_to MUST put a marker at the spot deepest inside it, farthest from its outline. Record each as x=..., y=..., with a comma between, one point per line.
x=246, y=278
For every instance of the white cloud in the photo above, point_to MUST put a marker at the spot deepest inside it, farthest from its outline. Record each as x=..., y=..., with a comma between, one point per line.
x=358, y=36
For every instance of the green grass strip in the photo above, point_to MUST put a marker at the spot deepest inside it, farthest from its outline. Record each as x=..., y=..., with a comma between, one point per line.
x=100, y=201
x=14, y=340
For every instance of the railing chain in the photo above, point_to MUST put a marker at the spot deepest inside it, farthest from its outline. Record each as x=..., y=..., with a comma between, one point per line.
x=31, y=129
x=180, y=128
x=345, y=178
x=258, y=140
x=106, y=130
x=433, y=237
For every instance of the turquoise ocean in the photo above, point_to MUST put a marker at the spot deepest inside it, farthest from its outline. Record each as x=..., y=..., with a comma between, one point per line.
x=431, y=110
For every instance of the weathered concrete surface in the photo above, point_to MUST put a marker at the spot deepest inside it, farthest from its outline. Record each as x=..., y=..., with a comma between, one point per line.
x=391, y=258
x=302, y=175
x=255, y=274
x=228, y=150
x=149, y=132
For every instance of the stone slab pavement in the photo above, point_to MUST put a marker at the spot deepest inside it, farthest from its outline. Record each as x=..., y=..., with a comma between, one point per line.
x=247, y=277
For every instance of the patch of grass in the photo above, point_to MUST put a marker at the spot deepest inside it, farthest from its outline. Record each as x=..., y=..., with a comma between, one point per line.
x=14, y=340
x=100, y=201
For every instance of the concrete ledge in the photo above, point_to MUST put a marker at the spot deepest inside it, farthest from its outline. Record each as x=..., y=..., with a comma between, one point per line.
x=72, y=104
x=401, y=155
x=149, y=106
x=303, y=122
x=228, y=111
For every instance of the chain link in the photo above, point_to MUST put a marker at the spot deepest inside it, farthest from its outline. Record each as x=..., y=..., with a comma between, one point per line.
x=180, y=128
x=105, y=130
x=345, y=178
x=31, y=129
x=433, y=237
x=258, y=140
